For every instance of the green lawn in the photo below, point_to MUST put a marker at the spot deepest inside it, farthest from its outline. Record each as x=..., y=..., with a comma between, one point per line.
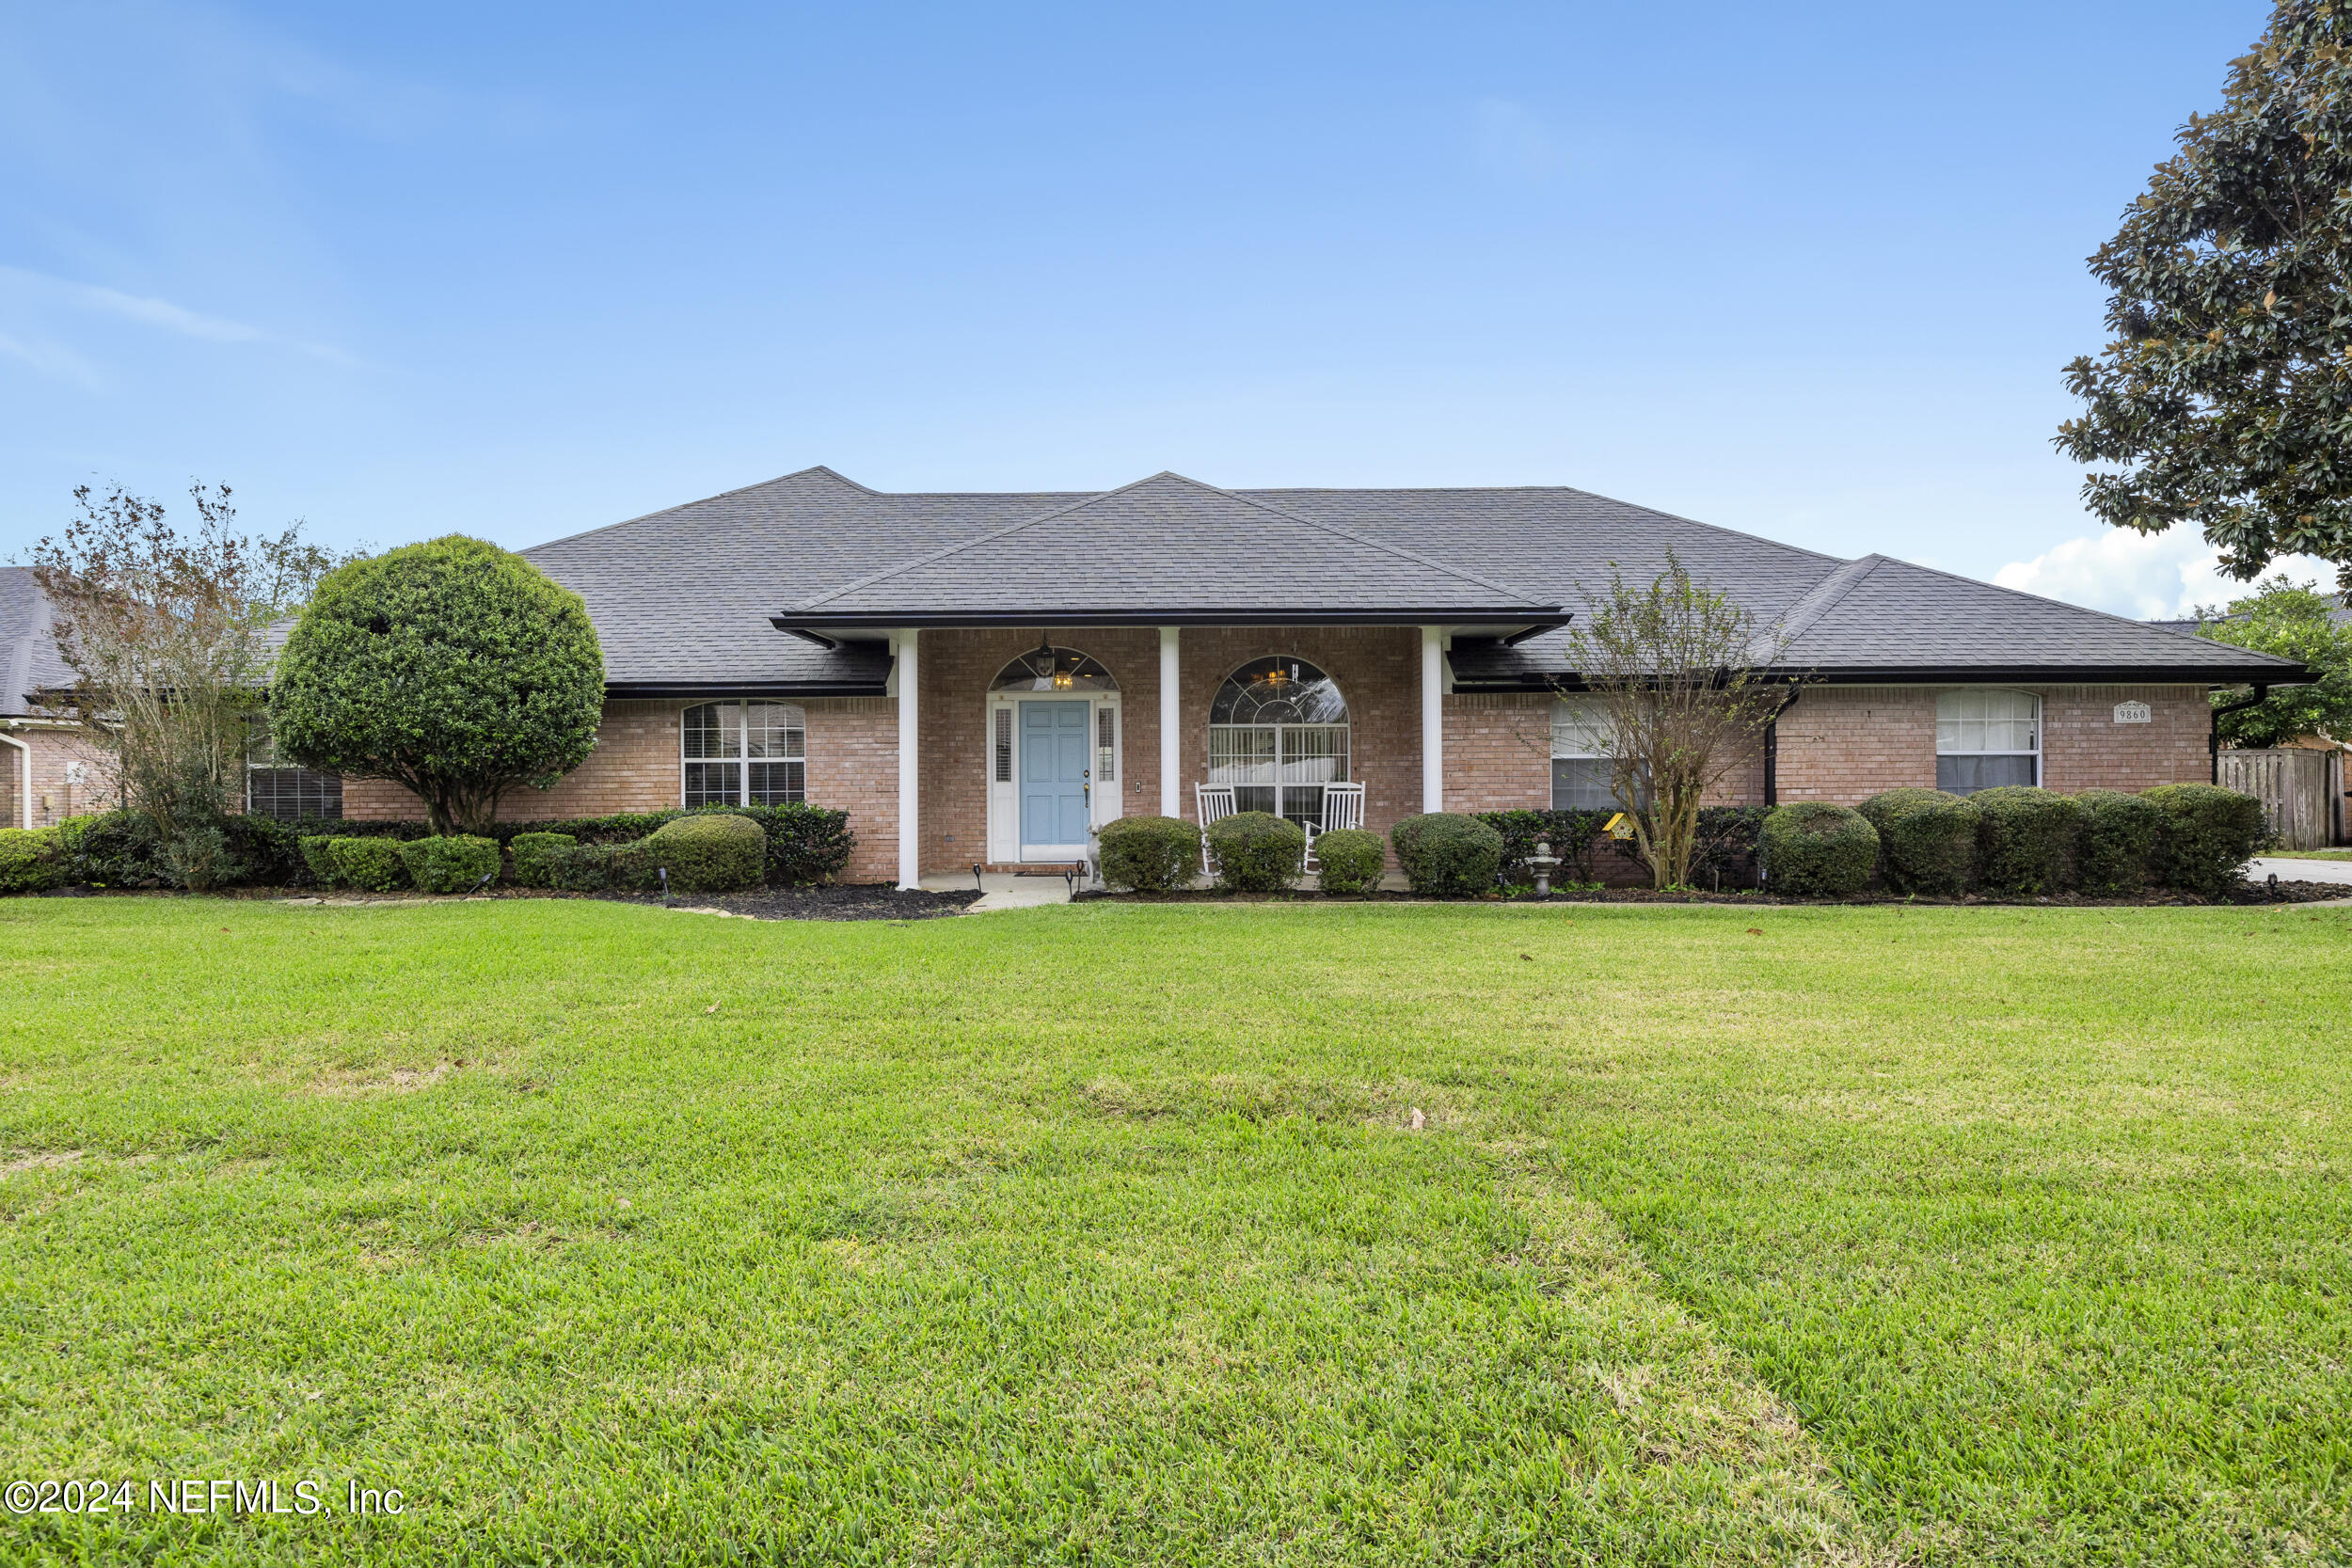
x=2311, y=854
x=1102, y=1234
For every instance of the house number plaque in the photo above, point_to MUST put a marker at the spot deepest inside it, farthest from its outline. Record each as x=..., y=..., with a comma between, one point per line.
x=2133, y=713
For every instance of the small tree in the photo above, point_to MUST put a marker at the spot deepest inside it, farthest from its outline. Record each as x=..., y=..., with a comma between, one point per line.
x=167, y=637
x=452, y=668
x=2225, y=394
x=1682, y=680
x=2297, y=623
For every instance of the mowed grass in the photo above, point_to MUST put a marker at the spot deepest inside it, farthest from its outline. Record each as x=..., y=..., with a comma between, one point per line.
x=1103, y=1234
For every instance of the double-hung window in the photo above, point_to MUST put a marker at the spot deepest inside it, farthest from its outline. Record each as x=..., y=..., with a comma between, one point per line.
x=744, y=753
x=1984, y=739
x=285, y=793
x=1581, y=768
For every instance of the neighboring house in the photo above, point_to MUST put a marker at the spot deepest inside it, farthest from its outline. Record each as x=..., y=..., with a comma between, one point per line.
x=985, y=678
x=49, y=771
x=982, y=678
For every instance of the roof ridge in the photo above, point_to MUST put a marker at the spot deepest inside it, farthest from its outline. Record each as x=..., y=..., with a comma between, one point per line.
x=1824, y=597
x=700, y=500
x=1568, y=490
x=808, y=606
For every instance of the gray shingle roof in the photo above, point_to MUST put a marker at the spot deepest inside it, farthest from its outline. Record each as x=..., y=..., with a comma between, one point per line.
x=29, y=660
x=683, y=598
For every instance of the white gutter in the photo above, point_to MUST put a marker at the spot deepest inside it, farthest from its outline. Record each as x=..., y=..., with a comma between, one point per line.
x=27, y=768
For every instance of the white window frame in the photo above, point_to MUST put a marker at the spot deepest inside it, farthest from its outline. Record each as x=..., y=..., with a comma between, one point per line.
x=795, y=722
x=1952, y=738
x=1580, y=731
x=1294, y=761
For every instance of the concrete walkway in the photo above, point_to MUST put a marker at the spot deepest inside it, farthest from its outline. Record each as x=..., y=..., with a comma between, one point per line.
x=1002, y=890
x=2291, y=870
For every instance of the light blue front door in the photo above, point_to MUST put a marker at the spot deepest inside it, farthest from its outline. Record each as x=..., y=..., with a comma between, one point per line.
x=1054, y=773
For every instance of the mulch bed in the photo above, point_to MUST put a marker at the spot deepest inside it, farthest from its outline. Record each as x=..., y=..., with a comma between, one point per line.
x=2246, y=893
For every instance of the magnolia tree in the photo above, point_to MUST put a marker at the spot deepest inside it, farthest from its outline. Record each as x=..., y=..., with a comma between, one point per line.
x=1681, y=674
x=452, y=668
x=2223, y=400
x=168, y=635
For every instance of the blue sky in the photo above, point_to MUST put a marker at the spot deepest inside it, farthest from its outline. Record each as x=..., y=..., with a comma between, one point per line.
x=1807, y=270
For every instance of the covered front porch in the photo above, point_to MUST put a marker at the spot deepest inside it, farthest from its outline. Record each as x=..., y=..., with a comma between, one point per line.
x=1015, y=744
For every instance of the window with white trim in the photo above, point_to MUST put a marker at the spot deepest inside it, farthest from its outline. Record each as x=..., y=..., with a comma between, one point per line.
x=1582, y=772
x=1984, y=739
x=1278, y=732
x=284, y=792
x=744, y=753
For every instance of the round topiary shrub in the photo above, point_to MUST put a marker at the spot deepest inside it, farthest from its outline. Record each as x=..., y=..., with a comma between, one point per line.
x=2121, y=835
x=1150, y=854
x=1447, y=856
x=2209, y=836
x=457, y=864
x=532, y=853
x=1352, y=860
x=2027, y=839
x=1257, y=852
x=708, y=854
x=1812, y=846
x=372, y=865
x=31, y=860
x=1927, y=837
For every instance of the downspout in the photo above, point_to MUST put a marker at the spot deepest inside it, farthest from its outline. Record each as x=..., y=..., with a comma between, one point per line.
x=24, y=754
x=2213, y=740
x=1771, y=747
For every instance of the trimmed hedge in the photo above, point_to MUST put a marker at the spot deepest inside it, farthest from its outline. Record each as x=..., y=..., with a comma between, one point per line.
x=31, y=860
x=1574, y=835
x=715, y=853
x=2121, y=835
x=318, y=859
x=579, y=868
x=531, y=851
x=1814, y=847
x=1352, y=860
x=457, y=864
x=1927, y=837
x=1447, y=856
x=372, y=865
x=1150, y=854
x=1257, y=852
x=2026, y=839
x=2209, y=836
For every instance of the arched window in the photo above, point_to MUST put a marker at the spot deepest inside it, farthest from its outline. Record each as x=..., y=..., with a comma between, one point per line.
x=1277, y=734
x=1984, y=739
x=746, y=753
x=1051, y=669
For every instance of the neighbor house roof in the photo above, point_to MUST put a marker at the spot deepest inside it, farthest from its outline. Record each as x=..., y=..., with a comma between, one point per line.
x=29, y=660
x=702, y=597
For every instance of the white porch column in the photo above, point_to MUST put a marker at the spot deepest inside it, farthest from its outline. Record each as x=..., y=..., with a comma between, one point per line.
x=1432, y=719
x=910, y=770
x=1171, y=730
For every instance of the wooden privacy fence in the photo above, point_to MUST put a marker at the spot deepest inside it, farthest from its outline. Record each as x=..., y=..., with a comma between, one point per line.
x=2297, y=788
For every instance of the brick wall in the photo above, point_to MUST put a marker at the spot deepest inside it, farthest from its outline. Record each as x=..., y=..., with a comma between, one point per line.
x=1497, y=752
x=1848, y=743
x=54, y=756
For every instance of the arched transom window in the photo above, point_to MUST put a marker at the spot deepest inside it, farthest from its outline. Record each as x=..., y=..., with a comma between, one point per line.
x=1987, y=739
x=1277, y=734
x=744, y=753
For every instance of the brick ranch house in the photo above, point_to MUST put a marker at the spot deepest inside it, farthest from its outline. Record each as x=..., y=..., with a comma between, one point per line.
x=986, y=678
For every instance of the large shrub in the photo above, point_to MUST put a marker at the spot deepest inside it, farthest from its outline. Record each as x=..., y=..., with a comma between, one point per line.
x=455, y=864
x=453, y=668
x=580, y=867
x=1927, y=837
x=1352, y=860
x=2027, y=839
x=533, y=867
x=1812, y=846
x=717, y=853
x=31, y=860
x=2121, y=835
x=2209, y=836
x=805, y=844
x=1573, y=834
x=318, y=859
x=115, y=848
x=1150, y=854
x=372, y=865
x=1446, y=856
x=1257, y=852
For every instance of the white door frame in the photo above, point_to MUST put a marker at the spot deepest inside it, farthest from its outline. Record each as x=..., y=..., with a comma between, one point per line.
x=1003, y=793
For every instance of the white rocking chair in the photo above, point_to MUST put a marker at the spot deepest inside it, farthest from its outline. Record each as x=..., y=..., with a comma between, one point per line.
x=1342, y=807
x=1212, y=801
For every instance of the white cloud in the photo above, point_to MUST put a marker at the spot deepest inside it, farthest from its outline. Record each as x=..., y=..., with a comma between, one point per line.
x=2143, y=576
x=50, y=360
x=149, y=311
